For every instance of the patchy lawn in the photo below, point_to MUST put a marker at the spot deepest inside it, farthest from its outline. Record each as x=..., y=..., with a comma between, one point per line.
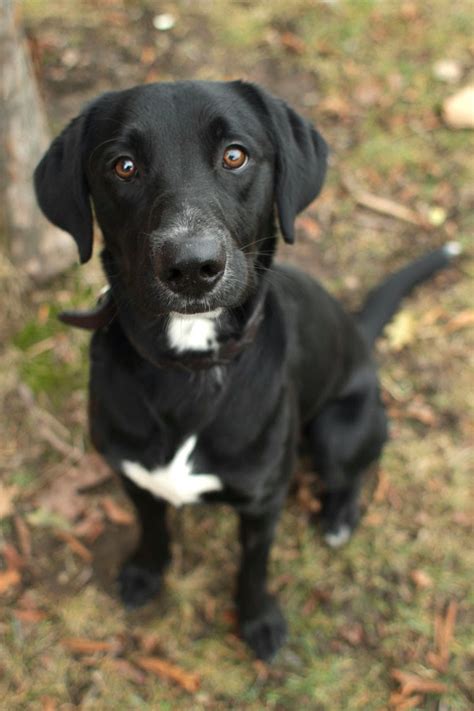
x=384, y=623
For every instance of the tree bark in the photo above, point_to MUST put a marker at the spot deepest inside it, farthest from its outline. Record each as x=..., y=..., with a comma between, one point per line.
x=26, y=238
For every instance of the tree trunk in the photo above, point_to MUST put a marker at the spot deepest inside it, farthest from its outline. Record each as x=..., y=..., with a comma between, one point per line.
x=26, y=238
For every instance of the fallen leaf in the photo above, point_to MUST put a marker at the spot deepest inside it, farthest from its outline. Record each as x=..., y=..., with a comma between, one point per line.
x=190, y=682
x=401, y=702
x=411, y=683
x=444, y=633
x=292, y=43
x=421, y=411
x=30, y=616
x=309, y=226
x=90, y=527
x=447, y=70
x=8, y=579
x=354, y=634
x=458, y=110
x=401, y=331
x=48, y=703
x=75, y=545
x=12, y=558
x=461, y=320
x=383, y=486
x=335, y=105
x=7, y=495
x=421, y=579
x=115, y=513
x=81, y=645
x=23, y=535
x=148, y=55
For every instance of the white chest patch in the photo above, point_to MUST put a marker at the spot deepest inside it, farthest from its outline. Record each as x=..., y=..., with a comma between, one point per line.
x=174, y=482
x=193, y=332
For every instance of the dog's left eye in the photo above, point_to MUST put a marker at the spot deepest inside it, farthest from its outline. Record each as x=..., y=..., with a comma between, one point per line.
x=234, y=157
x=125, y=168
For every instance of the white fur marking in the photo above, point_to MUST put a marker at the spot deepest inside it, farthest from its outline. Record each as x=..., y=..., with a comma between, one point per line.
x=337, y=539
x=193, y=332
x=174, y=482
x=452, y=249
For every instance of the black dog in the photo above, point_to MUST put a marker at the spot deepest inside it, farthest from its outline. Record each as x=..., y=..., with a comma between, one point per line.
x=207, y=362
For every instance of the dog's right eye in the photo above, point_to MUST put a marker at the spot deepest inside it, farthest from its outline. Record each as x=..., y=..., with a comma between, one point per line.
x=125, y=168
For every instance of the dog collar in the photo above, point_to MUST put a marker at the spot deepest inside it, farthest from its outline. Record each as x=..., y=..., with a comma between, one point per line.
x=106, y=310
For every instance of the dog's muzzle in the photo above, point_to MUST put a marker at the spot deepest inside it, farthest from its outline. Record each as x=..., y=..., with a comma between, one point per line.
x=191, y=266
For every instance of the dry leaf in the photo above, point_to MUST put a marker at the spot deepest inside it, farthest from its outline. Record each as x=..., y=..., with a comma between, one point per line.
x=419, y=410
x=354, y=634
x=8, y=579
x=75, y=545
x=81, y=645
x=444, y=633
x=461, y=320
x=48, y=703
x=458, y=110
x=115, y=513
x=421, y=579
x=23, y=535
x=411, y=683
x=401, y=331
x=309, y=226
x=30, y=615
x=7, y=495
x=335, y=105
x=12, y=558
x=401, y=702
x=90, y=527
x=383, y=486
x=188, y=681
x=292, y=43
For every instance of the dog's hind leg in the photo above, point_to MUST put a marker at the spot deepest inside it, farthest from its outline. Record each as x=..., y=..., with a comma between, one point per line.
x=345, y=439
x=141, y=576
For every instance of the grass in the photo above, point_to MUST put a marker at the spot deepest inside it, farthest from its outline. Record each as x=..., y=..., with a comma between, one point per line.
x=355, y=615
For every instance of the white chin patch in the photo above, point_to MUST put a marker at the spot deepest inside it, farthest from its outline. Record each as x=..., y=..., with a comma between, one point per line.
x=338, y=538
x=193, y=332
x=175, y=482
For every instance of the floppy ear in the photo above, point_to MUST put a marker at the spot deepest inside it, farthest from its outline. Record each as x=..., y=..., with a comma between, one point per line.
x=61, y=186
x=301, y=156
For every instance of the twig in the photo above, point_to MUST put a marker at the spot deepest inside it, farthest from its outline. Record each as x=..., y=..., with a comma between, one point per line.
x=384, y=206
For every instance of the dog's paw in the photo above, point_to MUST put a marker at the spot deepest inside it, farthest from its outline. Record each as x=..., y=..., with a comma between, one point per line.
x=337, y=537
x=338, y=523
x=266, y=633
x=138, y=585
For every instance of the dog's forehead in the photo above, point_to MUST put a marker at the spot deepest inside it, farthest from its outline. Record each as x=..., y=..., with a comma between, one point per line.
x=183, y=108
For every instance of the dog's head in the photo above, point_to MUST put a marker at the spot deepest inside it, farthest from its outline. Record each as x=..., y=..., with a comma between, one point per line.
x=183, y=178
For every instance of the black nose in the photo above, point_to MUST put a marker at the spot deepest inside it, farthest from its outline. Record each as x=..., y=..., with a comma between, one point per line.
x=192, y=266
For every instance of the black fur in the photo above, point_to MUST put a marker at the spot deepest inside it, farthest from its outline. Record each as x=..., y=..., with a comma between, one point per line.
x=308, y=369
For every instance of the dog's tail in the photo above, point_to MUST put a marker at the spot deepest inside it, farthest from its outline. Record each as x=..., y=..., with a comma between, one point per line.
x=383, y=302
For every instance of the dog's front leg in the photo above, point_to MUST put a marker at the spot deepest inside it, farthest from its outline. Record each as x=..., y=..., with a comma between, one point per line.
x=262, y=624
x=141, y=576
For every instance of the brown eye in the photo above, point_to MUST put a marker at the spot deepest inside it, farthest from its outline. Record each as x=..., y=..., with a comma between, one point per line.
x=125, y=168
x=234, y=157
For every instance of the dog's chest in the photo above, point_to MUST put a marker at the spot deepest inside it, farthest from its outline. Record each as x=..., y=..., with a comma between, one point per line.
x=177, y=481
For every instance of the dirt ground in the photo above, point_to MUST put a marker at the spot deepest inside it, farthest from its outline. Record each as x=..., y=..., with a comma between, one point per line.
x=383, y=623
